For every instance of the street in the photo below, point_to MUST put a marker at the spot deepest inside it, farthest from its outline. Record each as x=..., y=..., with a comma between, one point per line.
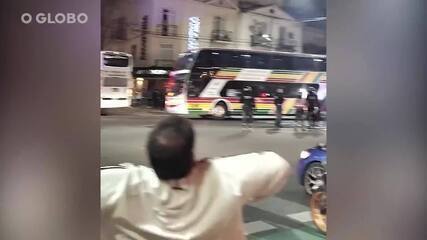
x=283, y=216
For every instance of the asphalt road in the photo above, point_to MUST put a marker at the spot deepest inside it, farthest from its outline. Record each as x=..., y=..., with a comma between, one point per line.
x=283, y=216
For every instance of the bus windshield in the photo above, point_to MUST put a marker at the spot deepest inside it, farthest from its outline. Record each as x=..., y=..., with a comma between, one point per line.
x=116, y=61
x=185, y=61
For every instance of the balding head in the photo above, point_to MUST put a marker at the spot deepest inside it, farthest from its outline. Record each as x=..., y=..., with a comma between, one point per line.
x=170, y=148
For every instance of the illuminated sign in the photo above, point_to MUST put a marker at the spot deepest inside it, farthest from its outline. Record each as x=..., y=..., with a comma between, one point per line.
x=193, y=33
x=158, y=71
x=144, y=32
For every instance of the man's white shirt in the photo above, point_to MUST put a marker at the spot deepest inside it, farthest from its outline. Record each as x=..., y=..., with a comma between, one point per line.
x=206, y=205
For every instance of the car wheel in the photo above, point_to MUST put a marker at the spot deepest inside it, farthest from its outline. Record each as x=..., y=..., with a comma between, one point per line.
x=219, y=111
x=313, y=177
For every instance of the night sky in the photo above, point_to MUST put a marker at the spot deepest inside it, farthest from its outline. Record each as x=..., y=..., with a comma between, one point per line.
x=303, y=9
x=306, y=9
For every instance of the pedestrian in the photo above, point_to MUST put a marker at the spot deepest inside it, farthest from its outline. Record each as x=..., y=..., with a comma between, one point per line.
x=278, y=102
x=156, y=98
x=162, y=99
x=181, y=198
x=248, y=101
x=312, y=103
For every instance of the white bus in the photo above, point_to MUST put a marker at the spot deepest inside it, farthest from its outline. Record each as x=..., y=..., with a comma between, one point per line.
x=116, y=79
x=208, y=82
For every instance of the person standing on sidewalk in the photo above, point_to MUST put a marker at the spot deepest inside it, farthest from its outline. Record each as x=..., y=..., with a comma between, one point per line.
x=182, y=198
x=162, y=99
x=278, y=102
x=248, y=101
x=156, y=98
x=312, y=102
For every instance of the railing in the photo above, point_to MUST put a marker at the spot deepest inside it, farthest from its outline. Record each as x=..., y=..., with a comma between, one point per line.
x=221, y=35
x=166, y=29
x=258, y=41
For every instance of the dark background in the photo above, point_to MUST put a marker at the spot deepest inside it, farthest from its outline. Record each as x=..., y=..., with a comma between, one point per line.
x=49, y=121
x=376, y=93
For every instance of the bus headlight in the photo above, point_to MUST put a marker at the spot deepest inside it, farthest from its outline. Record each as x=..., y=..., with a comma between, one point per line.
x=304, y=154
x=129, y=91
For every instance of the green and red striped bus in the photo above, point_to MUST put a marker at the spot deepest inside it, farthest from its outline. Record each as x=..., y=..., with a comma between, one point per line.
x=208, y=82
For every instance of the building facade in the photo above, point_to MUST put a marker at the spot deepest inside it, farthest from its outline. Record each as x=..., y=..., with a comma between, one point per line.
x=156, y=31
x=314, y=40
x=269, y=28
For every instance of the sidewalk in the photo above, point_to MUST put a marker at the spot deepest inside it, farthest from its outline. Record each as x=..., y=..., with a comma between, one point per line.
x=308, y=232
x=148, y=109
x=134, y=110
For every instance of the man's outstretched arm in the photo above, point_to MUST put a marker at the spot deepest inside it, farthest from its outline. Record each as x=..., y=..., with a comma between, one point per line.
x=259, y=174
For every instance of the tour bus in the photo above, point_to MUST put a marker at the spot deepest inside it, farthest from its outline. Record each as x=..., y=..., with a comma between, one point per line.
x=209, y=82
x=116, y=79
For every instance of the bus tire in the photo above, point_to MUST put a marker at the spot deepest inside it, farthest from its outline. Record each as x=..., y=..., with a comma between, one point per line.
x=220, y=111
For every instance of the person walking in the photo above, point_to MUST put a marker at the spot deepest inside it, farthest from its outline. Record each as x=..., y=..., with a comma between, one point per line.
x=181, y=198
x=312, y=103
x=156, y=98
x=248, y=101
x=278, y=102
x=162, y=99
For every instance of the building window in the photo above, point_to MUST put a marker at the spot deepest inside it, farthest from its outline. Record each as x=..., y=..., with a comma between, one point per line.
x=165, y=22
x=219, y=23
x=167, y=26
x=259, y=34
x=144, y=31
x=291, y=35
x=282, y=35
x=218, y=32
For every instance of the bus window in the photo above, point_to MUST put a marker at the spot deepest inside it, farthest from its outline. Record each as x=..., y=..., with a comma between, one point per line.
x=211, y=59
x=196, y=85
x=116, y=61
x=262, y=89
x=235, y=60
x=281, y=62
x=242, y=59
x=203, y=59
x=232, y=89
x=319, y=64
x=245, y=60
x=294, y=90
x=261, y=61
x=303, y=64
x=309, y=64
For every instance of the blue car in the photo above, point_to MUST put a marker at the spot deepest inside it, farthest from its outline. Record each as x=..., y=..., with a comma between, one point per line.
x=312, y=168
